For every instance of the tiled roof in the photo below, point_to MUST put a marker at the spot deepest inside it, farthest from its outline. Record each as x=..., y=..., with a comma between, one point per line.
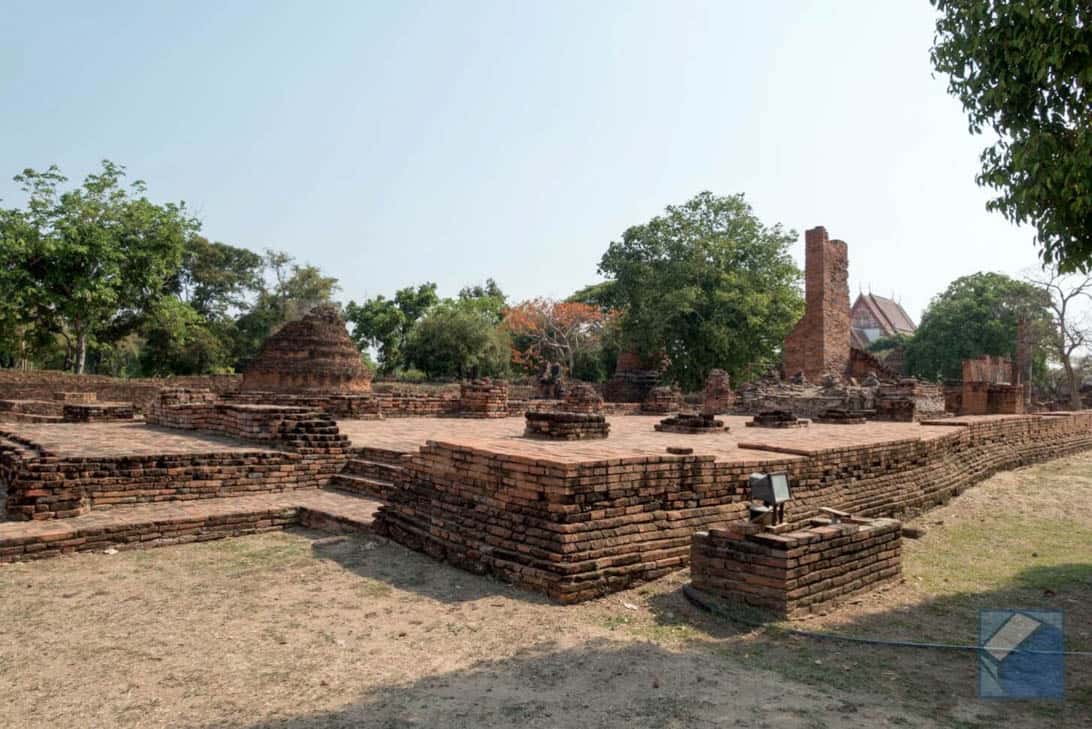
x=889, y=313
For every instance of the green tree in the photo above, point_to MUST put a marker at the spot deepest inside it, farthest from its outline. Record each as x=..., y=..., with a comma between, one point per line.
x=385, y=324
x=604, y=294
x=216, y=279
x=94, y=256
x=178, y=340
x=707, y=284
x=488, y=298
x=975, y=315
x=458, y=338
x=287, y=293
x=1023, y=68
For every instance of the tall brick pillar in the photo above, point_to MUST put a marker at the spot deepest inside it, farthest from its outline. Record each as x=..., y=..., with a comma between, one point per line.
x=819, y=343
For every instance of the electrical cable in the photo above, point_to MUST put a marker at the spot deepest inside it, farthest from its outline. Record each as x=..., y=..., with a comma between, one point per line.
x=696, y=599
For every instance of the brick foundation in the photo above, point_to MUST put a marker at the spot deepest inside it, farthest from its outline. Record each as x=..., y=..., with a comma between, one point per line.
x=566, y=426
x=798, y=571
x=580, y=530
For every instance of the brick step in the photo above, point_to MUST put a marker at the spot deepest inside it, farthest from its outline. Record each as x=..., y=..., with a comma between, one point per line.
x=156, y=525
x=379, y=455
x=14, y=416
x=362, y=485
x=373, y=469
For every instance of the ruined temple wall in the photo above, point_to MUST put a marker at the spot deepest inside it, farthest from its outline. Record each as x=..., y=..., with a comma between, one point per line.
x=42, y=384
x=298, y=448
x=819, y=343
x=577, y=531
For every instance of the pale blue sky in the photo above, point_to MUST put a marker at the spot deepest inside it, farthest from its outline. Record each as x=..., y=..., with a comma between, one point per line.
x=393, y=143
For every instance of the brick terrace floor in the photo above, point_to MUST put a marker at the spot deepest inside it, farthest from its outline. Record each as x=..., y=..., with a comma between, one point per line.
x=344, y=506
x=108, y=440
x=632, y=435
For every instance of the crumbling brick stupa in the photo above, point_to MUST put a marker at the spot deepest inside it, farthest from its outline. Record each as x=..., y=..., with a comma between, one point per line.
x=311, y=356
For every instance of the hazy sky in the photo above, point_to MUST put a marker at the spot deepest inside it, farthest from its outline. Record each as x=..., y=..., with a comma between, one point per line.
x=393, y=143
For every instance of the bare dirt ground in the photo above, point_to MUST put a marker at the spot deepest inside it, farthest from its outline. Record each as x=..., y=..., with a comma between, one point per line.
x=298, y=629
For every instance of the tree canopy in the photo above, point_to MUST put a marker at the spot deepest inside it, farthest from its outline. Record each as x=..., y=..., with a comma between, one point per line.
x=975, y=315
x=459, y=338
x=92, y=257
x=708, y=285
x=385, y=324
x=1023, y=69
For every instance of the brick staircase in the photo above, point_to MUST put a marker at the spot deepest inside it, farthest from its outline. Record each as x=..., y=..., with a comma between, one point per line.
x=370, y=472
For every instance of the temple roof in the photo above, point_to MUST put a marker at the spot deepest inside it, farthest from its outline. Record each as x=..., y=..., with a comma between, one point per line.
x=890, y=315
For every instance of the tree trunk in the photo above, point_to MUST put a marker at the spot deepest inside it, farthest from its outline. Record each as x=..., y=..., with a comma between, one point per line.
x=81, y=352
x=1074, y=386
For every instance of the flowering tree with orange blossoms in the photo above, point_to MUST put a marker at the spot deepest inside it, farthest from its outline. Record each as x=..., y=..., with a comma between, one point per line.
x=546, y=330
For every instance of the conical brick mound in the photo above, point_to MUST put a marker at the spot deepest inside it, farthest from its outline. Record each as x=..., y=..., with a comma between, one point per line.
x=309, y=356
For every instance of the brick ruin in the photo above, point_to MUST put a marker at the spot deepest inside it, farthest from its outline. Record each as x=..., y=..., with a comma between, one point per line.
x=990, y=386
x=798, y=571
x=662, y=400
x=579, y=530
x=484, y=398
x=311, y=355
x=717, y=397
x=566, y=426
x=299, y=449
x=632, y=379
x=690, y=424
x=582, y=398
x=819, y=343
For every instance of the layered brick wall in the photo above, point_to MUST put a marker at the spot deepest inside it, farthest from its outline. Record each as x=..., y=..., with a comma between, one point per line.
x=300, y=449
x=48, y=487
x=819, y=343
x=579, y=530
x=42, y=384
x=797, y=571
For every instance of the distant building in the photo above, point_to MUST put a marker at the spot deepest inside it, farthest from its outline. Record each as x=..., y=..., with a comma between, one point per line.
x=874, y=317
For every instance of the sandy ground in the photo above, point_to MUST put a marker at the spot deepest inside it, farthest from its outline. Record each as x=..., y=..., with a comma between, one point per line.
x=298, y=629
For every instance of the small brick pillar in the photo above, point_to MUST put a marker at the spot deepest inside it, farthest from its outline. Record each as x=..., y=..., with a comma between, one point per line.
x=484, y=398
x=819, y=343
x=798, y=571
x=662, y=401
x=718, y=395
x=582, y=398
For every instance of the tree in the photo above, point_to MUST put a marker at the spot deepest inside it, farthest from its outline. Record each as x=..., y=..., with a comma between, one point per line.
x=458, y=338
x=1071, y=331
x=1023, y=68
x=288, y=292
x=708, y=285
x=557, y=331
x=216, y=278
x=179, y=341
x=489, y=299
x=385, y=324
x=975, y=315
x=603, y=294
x=95, y=255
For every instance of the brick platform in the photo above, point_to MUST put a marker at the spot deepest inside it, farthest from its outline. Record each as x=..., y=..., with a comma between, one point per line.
x=580, y=520
x=156, y=525
x=798, y=571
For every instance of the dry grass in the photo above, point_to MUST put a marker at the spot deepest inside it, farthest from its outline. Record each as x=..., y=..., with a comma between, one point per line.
x=293, y=630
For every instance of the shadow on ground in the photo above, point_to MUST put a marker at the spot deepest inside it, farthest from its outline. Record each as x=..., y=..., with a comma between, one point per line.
x=940, y=683
x=390, y=563
x=598, y=684
x=550, y=688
